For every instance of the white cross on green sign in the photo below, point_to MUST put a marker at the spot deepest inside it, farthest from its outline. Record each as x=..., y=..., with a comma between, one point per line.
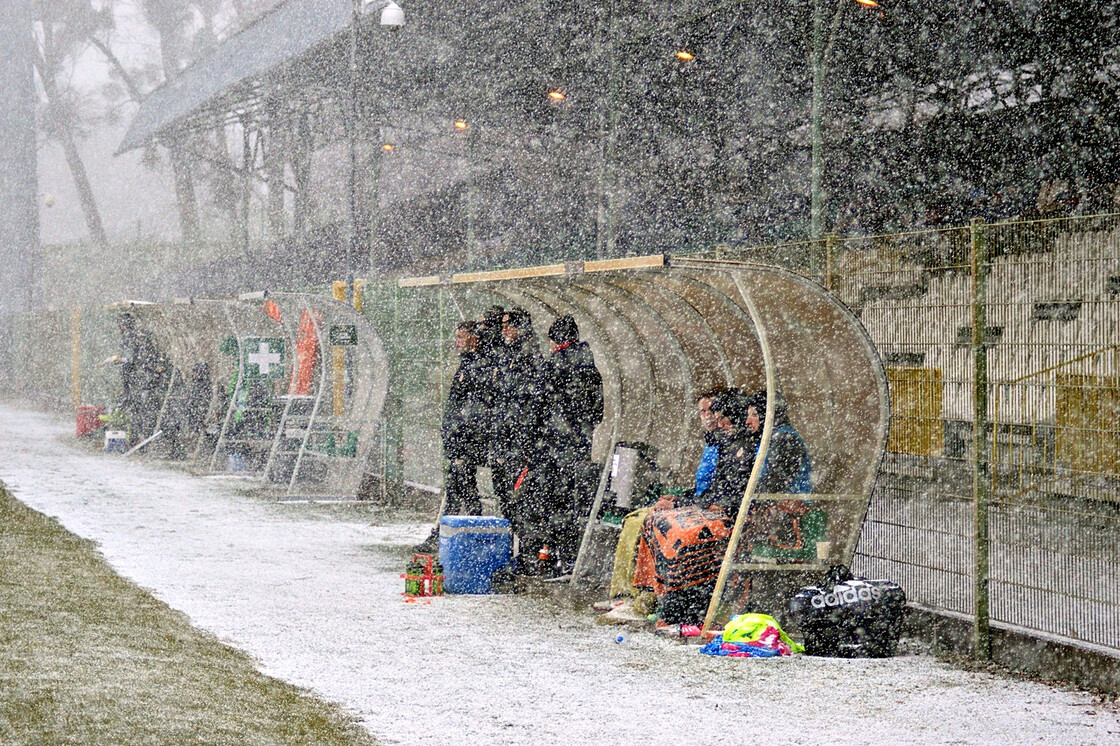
x=263, y=357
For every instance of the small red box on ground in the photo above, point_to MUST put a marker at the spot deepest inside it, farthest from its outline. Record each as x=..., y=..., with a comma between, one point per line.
x=89, y=419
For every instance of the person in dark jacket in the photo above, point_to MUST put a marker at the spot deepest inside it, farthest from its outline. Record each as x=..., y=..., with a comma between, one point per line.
x=144, y=376
x=573, y=391
x=787, y=470
x=573, y=400
x=465, y=429
x=490, y=341
x=737, y=453
x=516, y=418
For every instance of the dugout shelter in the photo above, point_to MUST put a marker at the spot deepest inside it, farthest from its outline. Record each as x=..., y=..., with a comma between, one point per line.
x=664, y=331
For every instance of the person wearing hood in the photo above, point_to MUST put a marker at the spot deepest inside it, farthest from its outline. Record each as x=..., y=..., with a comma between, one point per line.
x=516, y=417
x=787, y=470
x=573, y=407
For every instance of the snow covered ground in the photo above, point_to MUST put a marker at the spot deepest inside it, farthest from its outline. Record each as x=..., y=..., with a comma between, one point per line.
x=314, y=595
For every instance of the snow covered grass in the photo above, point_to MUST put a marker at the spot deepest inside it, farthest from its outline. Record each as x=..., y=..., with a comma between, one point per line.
x=313, y=593
x=90, y=658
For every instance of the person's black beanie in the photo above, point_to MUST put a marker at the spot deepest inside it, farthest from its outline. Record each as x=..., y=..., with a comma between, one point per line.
x=563, y=330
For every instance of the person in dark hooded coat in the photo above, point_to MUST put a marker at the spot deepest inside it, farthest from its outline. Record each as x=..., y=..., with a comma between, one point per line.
x=516, y=418
x=573, y=389
x=572, y=395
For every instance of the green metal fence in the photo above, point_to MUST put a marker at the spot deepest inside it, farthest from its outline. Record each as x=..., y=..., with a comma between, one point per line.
x=416, y=328
x=999, y=498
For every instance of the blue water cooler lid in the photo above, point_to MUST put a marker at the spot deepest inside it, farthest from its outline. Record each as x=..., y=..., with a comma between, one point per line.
x=473, y=521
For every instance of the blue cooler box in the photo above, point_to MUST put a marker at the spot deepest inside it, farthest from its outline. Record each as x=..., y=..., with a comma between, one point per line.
x=471, y=549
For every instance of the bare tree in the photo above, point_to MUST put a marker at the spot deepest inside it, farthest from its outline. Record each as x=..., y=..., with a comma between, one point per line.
x=61, y=28
x=171, y=20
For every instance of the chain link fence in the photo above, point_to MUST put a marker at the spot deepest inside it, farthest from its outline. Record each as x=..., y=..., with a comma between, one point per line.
x=1009, y=489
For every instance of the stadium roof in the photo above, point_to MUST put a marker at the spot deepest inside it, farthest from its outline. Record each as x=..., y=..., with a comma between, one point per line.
x=234, y=68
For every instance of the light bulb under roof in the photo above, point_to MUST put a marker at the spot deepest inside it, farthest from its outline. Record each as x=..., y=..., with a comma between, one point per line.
x=556, y=95
x=868, y=3
x=392, y=15
x=460, y=124
x=685, y=55
x=388, y=147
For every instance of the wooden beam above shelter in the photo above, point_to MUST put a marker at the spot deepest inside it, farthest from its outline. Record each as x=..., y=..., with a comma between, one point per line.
x=652, y=261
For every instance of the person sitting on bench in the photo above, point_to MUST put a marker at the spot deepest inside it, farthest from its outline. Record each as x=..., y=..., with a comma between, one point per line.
x=682, y=549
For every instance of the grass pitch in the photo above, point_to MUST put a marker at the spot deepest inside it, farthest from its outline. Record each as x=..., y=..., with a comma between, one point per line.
x=88, y=657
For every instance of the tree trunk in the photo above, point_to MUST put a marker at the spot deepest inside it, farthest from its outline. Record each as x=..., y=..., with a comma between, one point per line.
x=189, y=227
x=85, y=191
x=65, y=136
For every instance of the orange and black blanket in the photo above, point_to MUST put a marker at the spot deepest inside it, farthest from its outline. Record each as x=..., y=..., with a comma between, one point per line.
x=681, y=548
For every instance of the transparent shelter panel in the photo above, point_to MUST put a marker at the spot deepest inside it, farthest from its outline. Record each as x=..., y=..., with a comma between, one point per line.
x=245, y=418
x=329, y=404
x=819, y=363
x=669, y=410
x=827, y=531
x=191, y=336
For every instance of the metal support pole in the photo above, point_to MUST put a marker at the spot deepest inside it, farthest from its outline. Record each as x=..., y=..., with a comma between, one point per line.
x=830, y=242
x=822, y=50
x=76, y=358
x=246, y=182
x=352, y=183
x=338, y=361
x=471, y=206
x=816, y=144
x=608, y=142
x=981, y=631
x=392, y=414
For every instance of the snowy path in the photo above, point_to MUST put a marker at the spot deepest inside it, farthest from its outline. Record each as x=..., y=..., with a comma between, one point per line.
x=316, y=599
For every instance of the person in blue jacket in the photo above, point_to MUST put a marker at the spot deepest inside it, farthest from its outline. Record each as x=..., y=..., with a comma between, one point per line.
x=706, y=469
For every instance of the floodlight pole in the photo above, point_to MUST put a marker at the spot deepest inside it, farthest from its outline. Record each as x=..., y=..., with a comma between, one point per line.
x=608, y=141
x=391, y=15
x=354, y=240
x=822, y=50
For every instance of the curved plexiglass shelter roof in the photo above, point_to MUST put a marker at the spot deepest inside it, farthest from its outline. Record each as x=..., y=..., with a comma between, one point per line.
x=308, y=429
x=662, y=333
